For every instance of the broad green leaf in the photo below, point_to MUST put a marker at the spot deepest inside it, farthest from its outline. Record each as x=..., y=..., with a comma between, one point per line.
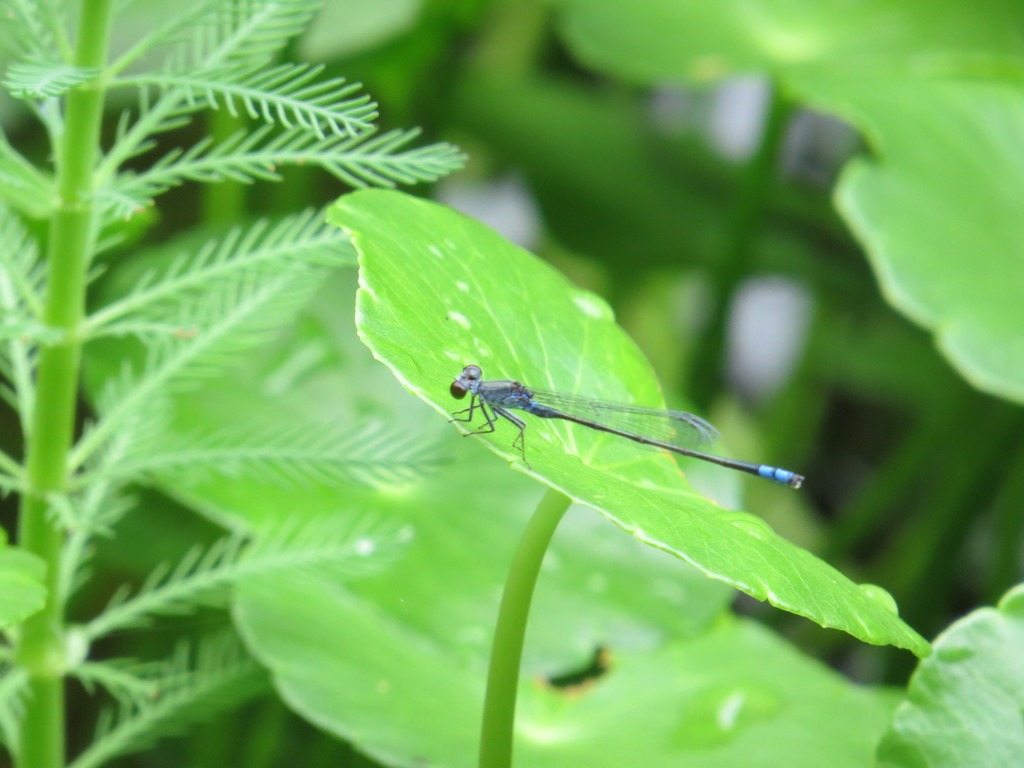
x=376, y=660
x=659, y=40
x=734, y=695
x=462, y=528
x=22, y=592
x=472, y=297
x=938, y=212
x=937, y=209
x=964, y=703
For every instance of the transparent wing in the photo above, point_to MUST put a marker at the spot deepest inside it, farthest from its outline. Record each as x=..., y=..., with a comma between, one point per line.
x=676, y=427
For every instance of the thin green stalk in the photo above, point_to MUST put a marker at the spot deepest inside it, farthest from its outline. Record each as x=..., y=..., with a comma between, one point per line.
x=1005, y=533
x=71, y=238
x=865, y=515
x=743, y=224
x=507, y=650
x=921, y=565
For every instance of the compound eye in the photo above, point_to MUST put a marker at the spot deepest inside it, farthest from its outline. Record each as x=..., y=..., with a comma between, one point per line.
x=463, y=384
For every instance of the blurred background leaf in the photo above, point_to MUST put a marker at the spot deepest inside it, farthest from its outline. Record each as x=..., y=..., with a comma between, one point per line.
x=896, y=74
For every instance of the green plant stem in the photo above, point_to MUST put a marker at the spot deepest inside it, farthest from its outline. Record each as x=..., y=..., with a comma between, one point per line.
x=923, y=562
x=71, y=238
x=744, y=222
x=867, y=512
x=507, y=650
x=1006, y=533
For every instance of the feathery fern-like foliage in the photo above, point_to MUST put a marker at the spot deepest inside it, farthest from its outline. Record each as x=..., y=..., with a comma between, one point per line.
x=196, y=315
x=161, y=297
x=246, y=157
x=11, y=482
x=21, y=271
x=21, y=290
x=44, y=80
x=361, y=546
x=35, y=29
x=290, y=95
x=126, y=680
x=86, y=515
x=25, y=187
x=195, y=685
x=368, y=454
x=219, y=56
x=12, y=692
x=211, y=338
x=208, y=34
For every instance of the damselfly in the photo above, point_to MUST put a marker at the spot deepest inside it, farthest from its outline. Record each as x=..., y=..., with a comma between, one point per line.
x=675, y=431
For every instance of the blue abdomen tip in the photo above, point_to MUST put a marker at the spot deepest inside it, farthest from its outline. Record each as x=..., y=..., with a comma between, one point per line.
x=781, y=476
